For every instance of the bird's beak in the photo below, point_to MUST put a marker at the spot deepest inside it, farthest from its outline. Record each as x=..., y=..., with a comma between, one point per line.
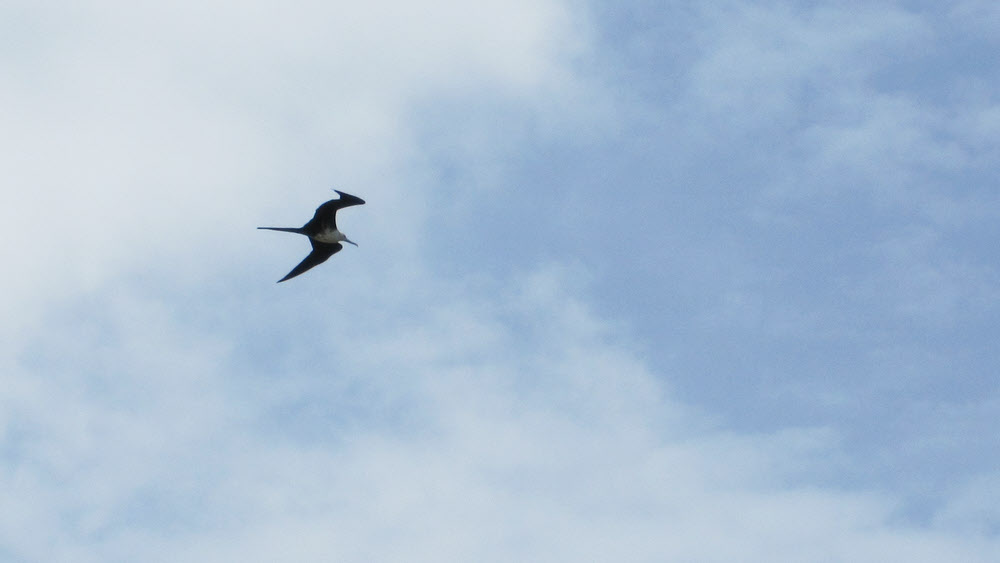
x=351, y=241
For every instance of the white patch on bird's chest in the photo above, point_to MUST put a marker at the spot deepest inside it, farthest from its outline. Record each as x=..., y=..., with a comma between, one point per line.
x=330, y=236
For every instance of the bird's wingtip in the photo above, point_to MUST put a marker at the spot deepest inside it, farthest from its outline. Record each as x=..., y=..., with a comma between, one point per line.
x=344, y=195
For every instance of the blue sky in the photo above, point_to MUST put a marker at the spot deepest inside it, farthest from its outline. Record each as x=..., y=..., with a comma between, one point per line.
x=637, y=281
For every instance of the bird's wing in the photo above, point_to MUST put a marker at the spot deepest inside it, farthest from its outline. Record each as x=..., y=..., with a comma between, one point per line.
x=328, y=211
x=348, y=199
x=321, y=251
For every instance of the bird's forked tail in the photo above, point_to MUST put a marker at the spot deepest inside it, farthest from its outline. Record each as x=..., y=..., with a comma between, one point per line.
x=297, y=230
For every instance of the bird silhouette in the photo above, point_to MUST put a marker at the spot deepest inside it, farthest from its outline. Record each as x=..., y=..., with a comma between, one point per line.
x=322, y=232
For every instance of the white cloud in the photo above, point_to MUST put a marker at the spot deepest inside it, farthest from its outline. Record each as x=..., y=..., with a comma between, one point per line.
x=466, y=432
x=135, y=133
x=157, y=406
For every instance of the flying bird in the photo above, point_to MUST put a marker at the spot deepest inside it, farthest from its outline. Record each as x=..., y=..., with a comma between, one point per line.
x=322, y=232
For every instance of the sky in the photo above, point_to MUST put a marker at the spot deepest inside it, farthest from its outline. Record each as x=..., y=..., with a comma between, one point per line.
x=637, y=281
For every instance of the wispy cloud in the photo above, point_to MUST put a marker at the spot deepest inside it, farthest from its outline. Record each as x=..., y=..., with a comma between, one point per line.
x=493, y=428
x=590, y=318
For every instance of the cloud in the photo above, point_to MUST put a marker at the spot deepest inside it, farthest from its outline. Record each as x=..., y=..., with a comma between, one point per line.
x=162, y=402
x=508, y=426
x=131, y=122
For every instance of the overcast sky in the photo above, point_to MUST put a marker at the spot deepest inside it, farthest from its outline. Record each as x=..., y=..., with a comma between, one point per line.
x=637, y=281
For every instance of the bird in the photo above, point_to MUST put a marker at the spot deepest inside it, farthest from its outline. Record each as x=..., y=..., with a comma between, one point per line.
x=322, y=232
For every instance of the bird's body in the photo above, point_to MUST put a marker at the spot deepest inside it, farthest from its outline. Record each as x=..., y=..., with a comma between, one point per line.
x=331, y=236
x=322, y=232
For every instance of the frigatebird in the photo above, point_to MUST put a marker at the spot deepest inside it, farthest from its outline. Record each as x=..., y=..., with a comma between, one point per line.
x=322, y=232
